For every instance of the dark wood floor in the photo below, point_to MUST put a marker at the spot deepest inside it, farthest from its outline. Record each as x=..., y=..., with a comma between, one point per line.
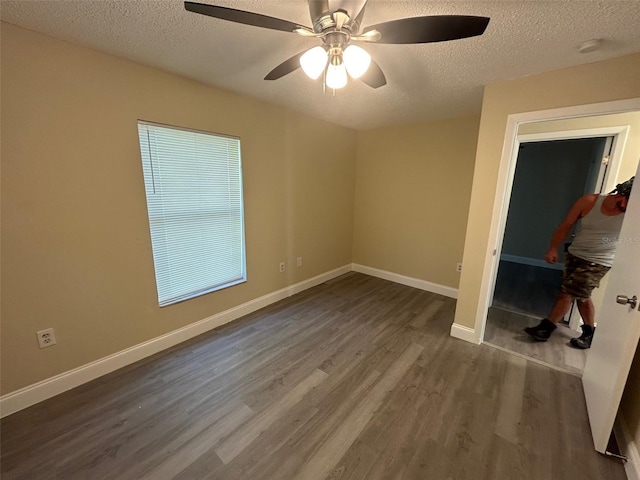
x=504, y=329
x=357, y=378
x=523, y=295
x=526, y=289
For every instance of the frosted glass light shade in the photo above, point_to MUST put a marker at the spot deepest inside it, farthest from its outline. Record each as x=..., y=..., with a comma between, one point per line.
x=313, y=62
x=336, y=76
x=356, y=60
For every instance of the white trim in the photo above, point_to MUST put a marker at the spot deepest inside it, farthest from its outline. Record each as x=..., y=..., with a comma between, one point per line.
x=465, y=333
x=409, y=281
x=32, y=394
x=503, y=185
x=536, y=262
x=570, y=134
x=628, y=448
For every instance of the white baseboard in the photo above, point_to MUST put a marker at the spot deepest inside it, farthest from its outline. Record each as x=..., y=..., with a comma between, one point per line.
x=628, y=448
x=465, y=333
x=536, y=262
x=32, y=394
x=409, y=281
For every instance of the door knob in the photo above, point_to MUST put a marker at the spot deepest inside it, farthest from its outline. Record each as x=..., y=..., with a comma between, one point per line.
x=624, y=300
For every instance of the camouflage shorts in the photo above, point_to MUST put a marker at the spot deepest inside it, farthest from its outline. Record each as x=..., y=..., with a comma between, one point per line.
x=580, y=276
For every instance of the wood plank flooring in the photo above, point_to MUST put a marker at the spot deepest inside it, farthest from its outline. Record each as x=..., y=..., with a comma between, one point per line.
x=523, y=295
x=356, y=378
x=505, y=330
x=526, y=289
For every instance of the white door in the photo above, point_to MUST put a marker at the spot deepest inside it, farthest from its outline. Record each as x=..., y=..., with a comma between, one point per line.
x=618, y=330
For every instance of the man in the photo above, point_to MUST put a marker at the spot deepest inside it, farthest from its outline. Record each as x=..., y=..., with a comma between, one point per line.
x=589, y=259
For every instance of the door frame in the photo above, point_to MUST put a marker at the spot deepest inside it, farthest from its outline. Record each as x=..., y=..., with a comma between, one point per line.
x=619, y=133
x=505, y=182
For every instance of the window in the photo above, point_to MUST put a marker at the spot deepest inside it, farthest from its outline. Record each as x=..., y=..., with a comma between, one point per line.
x=193, y=182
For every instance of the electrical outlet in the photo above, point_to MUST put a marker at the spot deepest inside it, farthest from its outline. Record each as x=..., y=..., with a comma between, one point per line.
x=282, y=267
x=459, y=267
x=299, y=261
x=46, y=338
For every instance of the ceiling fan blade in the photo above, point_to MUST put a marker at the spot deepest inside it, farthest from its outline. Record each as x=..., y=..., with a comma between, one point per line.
x=240, y=16
x=318, y=9
x=358, y=18
x=285, y=67
x=374, y=76
x=437, y=28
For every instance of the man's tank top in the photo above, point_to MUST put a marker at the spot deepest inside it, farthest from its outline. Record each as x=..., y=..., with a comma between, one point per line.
x=597, y=237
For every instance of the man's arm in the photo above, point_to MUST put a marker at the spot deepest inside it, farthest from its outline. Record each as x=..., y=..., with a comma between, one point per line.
x=579, y=209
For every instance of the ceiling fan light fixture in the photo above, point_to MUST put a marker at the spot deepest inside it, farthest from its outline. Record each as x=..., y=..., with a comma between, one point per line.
x=313, y=62
x=336, y=76
x=336, y=28
x=356, y=60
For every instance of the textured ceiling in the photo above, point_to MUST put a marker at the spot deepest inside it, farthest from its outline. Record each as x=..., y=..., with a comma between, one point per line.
x=423, y=81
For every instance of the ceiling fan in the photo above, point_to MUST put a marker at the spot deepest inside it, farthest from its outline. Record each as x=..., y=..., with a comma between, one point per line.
x=338, y=27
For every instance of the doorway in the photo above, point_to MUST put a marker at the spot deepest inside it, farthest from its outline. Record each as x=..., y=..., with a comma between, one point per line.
x=610, y=376
x=620, y=162
x=549, y=176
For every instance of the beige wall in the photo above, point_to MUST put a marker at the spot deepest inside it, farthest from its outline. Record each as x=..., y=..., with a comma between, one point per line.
x=585, y=84
x=412, y=198
x=76, y=253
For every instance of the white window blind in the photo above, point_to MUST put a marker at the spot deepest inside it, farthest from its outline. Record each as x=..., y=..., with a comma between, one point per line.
x=193, y=182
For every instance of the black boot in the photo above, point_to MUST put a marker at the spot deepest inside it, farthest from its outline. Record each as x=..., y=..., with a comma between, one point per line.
x=584, y=340
x=542, y=331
